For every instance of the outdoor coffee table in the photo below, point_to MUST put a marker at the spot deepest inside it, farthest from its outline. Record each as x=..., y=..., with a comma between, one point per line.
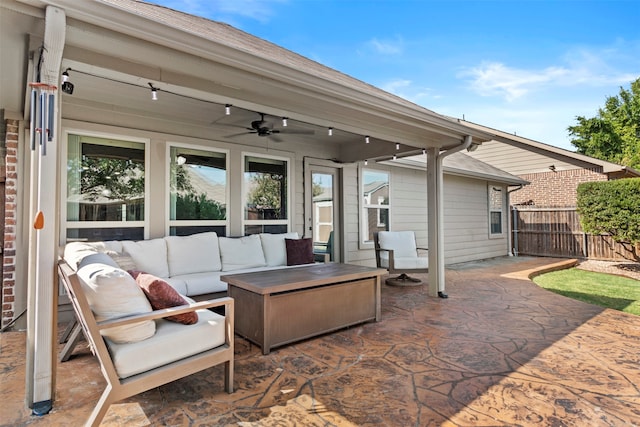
x=277, y=307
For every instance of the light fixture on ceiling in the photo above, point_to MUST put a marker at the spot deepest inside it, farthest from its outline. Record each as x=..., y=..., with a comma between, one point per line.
x=424, y=151
x=366, y=139
x=67, y=86
x=154, y=92
x=397, y=145
x=227, y=109
x=330, y=131
x=395, y=157
x=366, y=162
x=284, y=122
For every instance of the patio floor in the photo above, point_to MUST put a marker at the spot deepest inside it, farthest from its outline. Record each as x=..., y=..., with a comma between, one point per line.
x=500, y=351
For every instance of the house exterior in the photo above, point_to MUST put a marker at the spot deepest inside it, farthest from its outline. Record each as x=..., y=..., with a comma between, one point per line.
x=553, y=173
x=127, y=120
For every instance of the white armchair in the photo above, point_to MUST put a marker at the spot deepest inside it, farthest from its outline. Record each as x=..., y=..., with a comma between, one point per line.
x=398, y=253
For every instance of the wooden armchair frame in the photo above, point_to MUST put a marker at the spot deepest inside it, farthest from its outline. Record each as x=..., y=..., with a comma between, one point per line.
x=118, y=389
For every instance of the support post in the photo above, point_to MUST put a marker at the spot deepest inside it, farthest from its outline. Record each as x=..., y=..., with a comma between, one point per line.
x=433, y=222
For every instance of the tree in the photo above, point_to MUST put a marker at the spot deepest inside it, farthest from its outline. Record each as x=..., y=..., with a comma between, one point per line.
x=614, y=134
x=265, y=195
x=613, y=208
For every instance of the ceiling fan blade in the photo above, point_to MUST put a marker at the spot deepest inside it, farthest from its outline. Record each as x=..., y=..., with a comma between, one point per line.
x=238, y=134
x=275, y=138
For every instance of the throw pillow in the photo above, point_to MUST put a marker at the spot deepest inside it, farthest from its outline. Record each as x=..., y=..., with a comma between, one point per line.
x=299, y=251
x=161, y=295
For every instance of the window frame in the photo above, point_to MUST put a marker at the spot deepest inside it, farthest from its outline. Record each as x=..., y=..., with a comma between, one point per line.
x=195, y=223
x=491, y=210
x=363, y=243
x=66, y=224
x=243, y=204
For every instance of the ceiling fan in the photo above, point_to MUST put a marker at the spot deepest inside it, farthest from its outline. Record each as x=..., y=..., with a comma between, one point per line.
x=264, y=128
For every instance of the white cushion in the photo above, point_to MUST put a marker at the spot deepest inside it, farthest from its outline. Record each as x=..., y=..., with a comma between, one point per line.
x=404, y=263
x=150, y=256
x=242, y=252
x=198, y=283
x=74, y=252
x=172, y=341
x=112, y=292
x=193, y=254
x=403, y=243
x=274, y=248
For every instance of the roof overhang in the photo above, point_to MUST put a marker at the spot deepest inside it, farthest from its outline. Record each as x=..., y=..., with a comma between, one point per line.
x=131, y=41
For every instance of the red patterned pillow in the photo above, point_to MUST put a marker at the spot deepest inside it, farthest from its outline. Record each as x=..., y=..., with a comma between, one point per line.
x=161, y=295
x=299, y=251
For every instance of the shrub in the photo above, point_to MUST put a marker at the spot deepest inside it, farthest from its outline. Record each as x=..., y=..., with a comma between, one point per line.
x=611, y=207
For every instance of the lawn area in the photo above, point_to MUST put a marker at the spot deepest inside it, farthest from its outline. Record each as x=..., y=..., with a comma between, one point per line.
x=605, y=290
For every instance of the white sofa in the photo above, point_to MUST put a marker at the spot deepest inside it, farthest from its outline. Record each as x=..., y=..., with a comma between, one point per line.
x=192, y=265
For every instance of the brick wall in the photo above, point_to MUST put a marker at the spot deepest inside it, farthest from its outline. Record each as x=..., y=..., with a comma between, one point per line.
x=554, y=189
x=9, y=252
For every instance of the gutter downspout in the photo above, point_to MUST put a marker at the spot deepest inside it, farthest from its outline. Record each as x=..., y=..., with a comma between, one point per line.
x=512, y=226
x=436, y=217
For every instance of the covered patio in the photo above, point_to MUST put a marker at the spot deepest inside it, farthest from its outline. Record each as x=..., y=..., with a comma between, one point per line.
x=499, y=351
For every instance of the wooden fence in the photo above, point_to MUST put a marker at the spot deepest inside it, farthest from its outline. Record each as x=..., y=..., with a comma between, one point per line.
x=557, y=232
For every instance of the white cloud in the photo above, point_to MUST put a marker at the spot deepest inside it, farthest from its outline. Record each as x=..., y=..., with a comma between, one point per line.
x=406, y=89
x=387, y=47
x=580, y=67
x=493, y=78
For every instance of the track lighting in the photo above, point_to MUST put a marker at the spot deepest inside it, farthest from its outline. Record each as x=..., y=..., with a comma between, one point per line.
x=284, y=122
x=366, y=139
x=366, y=162
x=424, y=151
x=395, y=157
x=227, y=109
x=330, y=131
x=154, y=92
x=65, y=75
x=397, y=145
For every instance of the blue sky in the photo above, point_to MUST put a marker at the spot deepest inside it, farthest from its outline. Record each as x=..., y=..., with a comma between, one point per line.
x=524, y=67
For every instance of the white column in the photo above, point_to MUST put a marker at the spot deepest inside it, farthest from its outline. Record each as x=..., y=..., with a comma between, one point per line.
x=436, y=276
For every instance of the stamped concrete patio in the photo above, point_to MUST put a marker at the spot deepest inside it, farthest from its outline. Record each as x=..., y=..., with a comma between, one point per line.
x=499, y=352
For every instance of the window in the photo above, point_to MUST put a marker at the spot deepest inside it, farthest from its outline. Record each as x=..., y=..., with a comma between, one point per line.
x=105, y=189
x=198, y=191
x=266, y=195
x=495, y=210
x=375, y=203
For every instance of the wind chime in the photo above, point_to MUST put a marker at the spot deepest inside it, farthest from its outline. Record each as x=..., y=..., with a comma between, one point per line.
x=41, y=129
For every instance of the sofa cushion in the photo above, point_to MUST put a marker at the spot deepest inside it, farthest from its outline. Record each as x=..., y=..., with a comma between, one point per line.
x=193, y=254
x=299, y=251
x=161, y=295
x=274, y=248
x=149, y=256
x=112, y=292
x=171, y=342
x=123, y=260
x=74, y=252
x=99, y=258
x=242, y=252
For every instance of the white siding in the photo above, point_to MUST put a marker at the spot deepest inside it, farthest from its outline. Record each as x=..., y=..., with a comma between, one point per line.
x=519, y=159
x=466, y=216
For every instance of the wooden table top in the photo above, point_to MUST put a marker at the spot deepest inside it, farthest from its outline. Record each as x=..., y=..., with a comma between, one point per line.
x=288, y=279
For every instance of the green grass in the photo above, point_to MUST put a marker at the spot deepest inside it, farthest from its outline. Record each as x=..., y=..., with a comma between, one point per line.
x=605, y=290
